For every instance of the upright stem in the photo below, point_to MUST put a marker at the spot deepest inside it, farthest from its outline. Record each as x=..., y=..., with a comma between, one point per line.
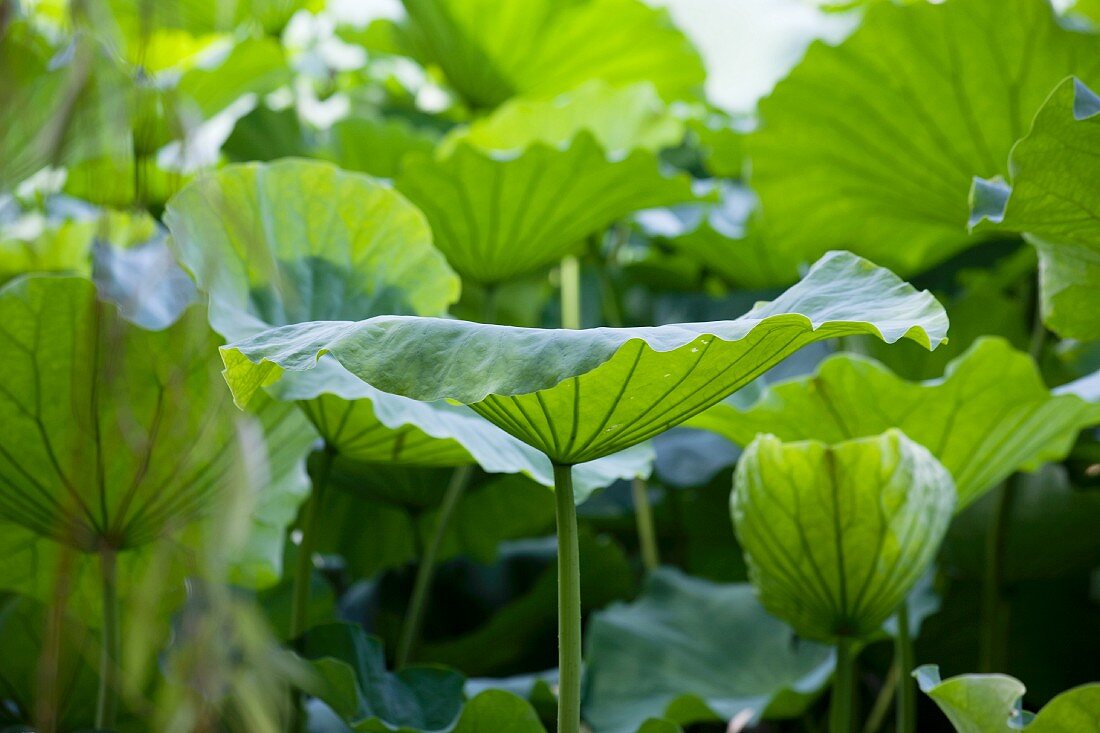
x=907, y=695
x=303, y=571
x=422, y=587
x=992, y=621
x=840, y=706
x=569, y=604
x=107, y=701
x=643, y=515
x=570, y=273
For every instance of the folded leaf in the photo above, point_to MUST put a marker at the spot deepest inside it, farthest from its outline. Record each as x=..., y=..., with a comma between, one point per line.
x=497, y=216
x=580, y=395
x=1053, y=199
x=836, y=536
x=690, y=650
x=989, y=416
x=871, y=144
x=990, y=703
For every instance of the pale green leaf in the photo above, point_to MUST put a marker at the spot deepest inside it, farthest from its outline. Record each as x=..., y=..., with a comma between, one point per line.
x=989, y=416
x=497, y=216
x=580, y=395
x=871, y=144
x=1054, y=200
x=490, y=52
x=990, y=703
x=496, y=711
x=835, y=536
x=691, y=650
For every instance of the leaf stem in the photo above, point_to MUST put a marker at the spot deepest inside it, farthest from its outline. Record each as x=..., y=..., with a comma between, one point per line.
x=418, y=601
x=107, y=699
x=569, y=604
x=643, y=515
x=570, y=274
x=303, y=571
x=840, y=706
x=903, y=652
x=990, y=656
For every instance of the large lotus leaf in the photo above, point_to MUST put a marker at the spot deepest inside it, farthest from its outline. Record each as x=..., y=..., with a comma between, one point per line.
x=545, y=47
x=297, y=240
x=1055, y=187
x=871, y=144
x=497, y=216
x=989, y=415
x=113, y=434
x=580, y=395
x=620, y=118
x=691, y=650
x=353, y=680
x=990, y=703
x=836, y=536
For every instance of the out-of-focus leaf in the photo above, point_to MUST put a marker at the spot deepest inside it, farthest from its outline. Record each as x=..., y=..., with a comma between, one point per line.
x=39, y=246
x=1053, y=197
x=495, y=711
x=990, y=703
x=690, y=650
x=547, y=47
x=989, y=415
x=354, y=682
x=581, y=395
x=836, y=536
x=498, y=216
x=871, y=144
x=377, y=147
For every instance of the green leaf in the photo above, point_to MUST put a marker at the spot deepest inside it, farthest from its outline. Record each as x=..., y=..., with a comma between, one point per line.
x=1053, y=200
x=297, y=240
x=269, y=246
x=690, y=650
x=989, y=416
x=620, y=118
x=498, y=216
x=354, y=682
x=375, y=146
x=836, y=536
x=38, y=246
x=580, y=395
x=990, y=703
x=871, y=144
x=494, y=711
x=547, y=47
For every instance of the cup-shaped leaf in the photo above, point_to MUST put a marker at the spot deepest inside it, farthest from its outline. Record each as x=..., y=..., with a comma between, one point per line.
x=580, y=395
x=1052, y=200
x=990, y=703
x=988, y=416
x=835, y=536
x=111, y=433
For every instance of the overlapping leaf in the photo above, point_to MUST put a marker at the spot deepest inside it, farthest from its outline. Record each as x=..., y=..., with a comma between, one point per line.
x=580, y=395
x=1053, y=199
x=871, y=144
x=990, y=703
x=296, y=241
x=836, y=536
x=989, y=415
x=544, y=47
x=691, y=650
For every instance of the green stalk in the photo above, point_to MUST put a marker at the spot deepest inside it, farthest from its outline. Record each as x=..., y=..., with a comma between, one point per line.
x=107, y=700
x=907, y=694
x=570, y=273
x=643, y=515
x=569, y=604
x=303, y=571
x=414, y=617
x=989, y=658
x=841, y=704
